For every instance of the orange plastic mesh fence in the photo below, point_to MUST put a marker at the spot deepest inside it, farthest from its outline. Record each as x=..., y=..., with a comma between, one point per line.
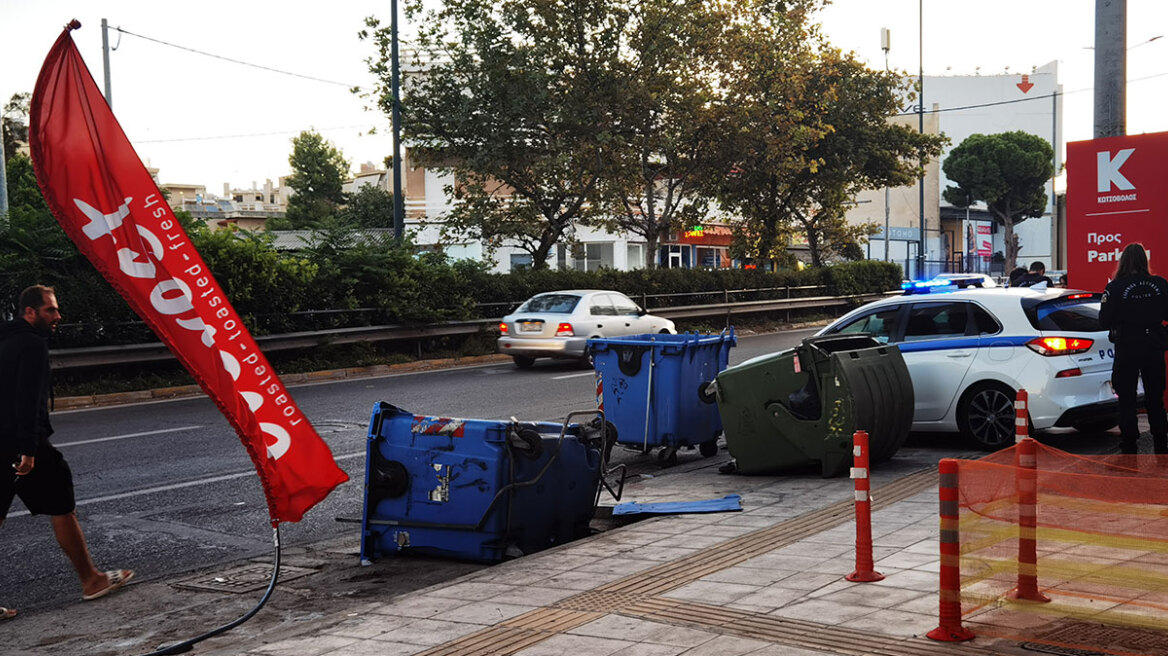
x=1100, y=541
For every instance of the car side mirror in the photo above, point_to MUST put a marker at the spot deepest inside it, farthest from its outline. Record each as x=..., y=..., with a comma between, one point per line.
x=641, y=311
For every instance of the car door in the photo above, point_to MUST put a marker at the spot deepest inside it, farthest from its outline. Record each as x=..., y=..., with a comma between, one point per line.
x=629, y=318
x=938, y=347
x=602, y=319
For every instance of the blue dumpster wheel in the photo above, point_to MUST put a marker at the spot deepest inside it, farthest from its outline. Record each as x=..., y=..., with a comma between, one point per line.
x=667, y=456
x=709, y=449
x=704, y=394
x=523, y=361
x=389, y=479
x=527, y=441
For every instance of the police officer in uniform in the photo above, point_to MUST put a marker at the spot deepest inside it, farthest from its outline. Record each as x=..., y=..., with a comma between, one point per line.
x=1134, y=308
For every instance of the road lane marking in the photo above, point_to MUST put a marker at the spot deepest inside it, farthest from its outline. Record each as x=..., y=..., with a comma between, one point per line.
x=586, y=373
x=176, y=486
x=126, y=436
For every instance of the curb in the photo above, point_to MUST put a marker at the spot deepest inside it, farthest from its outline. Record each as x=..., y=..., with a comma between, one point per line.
x=184, y=391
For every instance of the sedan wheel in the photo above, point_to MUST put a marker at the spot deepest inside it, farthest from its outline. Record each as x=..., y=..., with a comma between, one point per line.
x=986, y=416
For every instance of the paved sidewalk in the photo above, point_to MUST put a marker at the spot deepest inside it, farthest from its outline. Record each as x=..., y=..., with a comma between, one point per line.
x=764, y=581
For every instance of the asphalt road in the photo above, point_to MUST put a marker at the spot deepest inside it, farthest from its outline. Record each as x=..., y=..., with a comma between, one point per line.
x=166, y=488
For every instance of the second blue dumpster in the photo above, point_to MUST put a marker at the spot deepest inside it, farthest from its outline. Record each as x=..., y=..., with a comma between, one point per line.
x=654, y=389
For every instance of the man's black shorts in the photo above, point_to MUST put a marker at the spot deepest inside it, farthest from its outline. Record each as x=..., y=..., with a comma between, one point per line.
x=46, y=490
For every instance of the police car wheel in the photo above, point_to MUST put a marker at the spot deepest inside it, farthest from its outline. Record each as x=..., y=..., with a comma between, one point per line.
x=986, y=415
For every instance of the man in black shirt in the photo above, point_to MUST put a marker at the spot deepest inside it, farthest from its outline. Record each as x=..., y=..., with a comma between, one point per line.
x=1036, y=275
x=1134, y=308
x=41, y=477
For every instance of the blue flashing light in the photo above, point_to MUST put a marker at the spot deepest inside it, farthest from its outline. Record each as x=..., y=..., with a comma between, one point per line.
x=939, y=285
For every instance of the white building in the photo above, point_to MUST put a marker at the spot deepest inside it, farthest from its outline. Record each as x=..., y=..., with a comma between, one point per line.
x=963, y=105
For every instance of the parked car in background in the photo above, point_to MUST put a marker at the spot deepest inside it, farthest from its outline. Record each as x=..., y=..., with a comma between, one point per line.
x=559, y=324
x=970, y=350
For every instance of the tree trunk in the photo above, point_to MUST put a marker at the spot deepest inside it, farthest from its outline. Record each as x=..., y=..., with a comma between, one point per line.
x=1011, y=241
x=813, y=246
x=651, y=251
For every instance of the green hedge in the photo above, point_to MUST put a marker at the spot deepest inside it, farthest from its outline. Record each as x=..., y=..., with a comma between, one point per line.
x=333, y=285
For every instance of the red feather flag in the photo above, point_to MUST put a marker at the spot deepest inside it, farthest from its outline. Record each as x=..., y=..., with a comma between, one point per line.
x=110, y=207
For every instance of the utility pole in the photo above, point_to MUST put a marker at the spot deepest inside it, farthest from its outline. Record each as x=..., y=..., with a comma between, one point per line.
x=886, y=45
x=921, y=129
x=399, y=219
x=109, y=94
x=1110, y=68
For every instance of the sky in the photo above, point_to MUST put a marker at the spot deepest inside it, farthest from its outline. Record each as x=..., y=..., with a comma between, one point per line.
x=205, y=120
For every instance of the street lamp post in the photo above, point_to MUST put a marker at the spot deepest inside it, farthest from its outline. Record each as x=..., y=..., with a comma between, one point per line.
x=885, y=45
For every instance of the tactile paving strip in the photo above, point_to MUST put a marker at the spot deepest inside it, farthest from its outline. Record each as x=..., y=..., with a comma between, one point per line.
x=795, y=633
x=634, y=595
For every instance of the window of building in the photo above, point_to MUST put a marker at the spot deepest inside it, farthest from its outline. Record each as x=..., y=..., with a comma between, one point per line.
x=636, y=256
x=594, y=256
x=520, y=261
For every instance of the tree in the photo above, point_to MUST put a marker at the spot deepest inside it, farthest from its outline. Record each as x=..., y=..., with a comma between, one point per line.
x=1007, y=171
x=369, y=207
x=667, y=119
x=808, y=139
x=515, y=100
x=14, y=123
x=318, y=173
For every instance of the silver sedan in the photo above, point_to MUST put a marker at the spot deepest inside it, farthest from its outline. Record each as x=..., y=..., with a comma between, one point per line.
x=559, y=324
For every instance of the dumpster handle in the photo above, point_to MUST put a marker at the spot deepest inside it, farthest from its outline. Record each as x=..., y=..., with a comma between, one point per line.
x=648, y=400
x=547, y=465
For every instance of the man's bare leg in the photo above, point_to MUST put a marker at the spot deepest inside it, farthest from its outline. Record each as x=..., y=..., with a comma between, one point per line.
x=72, y=541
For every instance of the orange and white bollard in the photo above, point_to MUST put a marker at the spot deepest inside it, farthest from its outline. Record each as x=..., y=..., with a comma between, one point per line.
x=865, y=571
x=1026, y=479
x=949, y=627
x=1021, y=416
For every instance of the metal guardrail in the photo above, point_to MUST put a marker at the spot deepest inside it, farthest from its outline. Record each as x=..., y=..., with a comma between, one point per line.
x=93, y=356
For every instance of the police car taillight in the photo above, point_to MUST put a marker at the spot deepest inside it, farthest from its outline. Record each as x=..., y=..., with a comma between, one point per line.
x=565, y=330
x=1051, y=346
x=502, y=329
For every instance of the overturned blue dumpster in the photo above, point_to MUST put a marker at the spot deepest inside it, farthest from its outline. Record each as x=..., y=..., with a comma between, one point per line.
x=654, y=389
x=474, y=489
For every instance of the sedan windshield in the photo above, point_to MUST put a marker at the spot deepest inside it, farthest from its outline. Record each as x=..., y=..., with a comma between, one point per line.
x=553, y=303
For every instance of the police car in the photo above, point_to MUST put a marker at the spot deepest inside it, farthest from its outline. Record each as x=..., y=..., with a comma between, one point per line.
x=969, y=350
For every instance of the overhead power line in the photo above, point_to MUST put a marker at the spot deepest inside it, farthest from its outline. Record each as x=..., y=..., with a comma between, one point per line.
x=1048, y=96
x=244, y=136
x=237, y=61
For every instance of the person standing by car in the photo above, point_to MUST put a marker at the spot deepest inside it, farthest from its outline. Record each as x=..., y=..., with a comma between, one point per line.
x=40, y=477
x=1133, y=309
x=1036, y=275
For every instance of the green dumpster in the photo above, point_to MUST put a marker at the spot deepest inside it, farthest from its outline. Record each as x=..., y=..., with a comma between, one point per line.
x=801, y=406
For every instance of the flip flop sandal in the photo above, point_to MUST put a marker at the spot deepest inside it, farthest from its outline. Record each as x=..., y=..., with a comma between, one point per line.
x=117, y=578
x=7, y=613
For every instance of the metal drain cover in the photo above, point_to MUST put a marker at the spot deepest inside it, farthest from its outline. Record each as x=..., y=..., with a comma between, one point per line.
x=1099, y=639
x=247, y=578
